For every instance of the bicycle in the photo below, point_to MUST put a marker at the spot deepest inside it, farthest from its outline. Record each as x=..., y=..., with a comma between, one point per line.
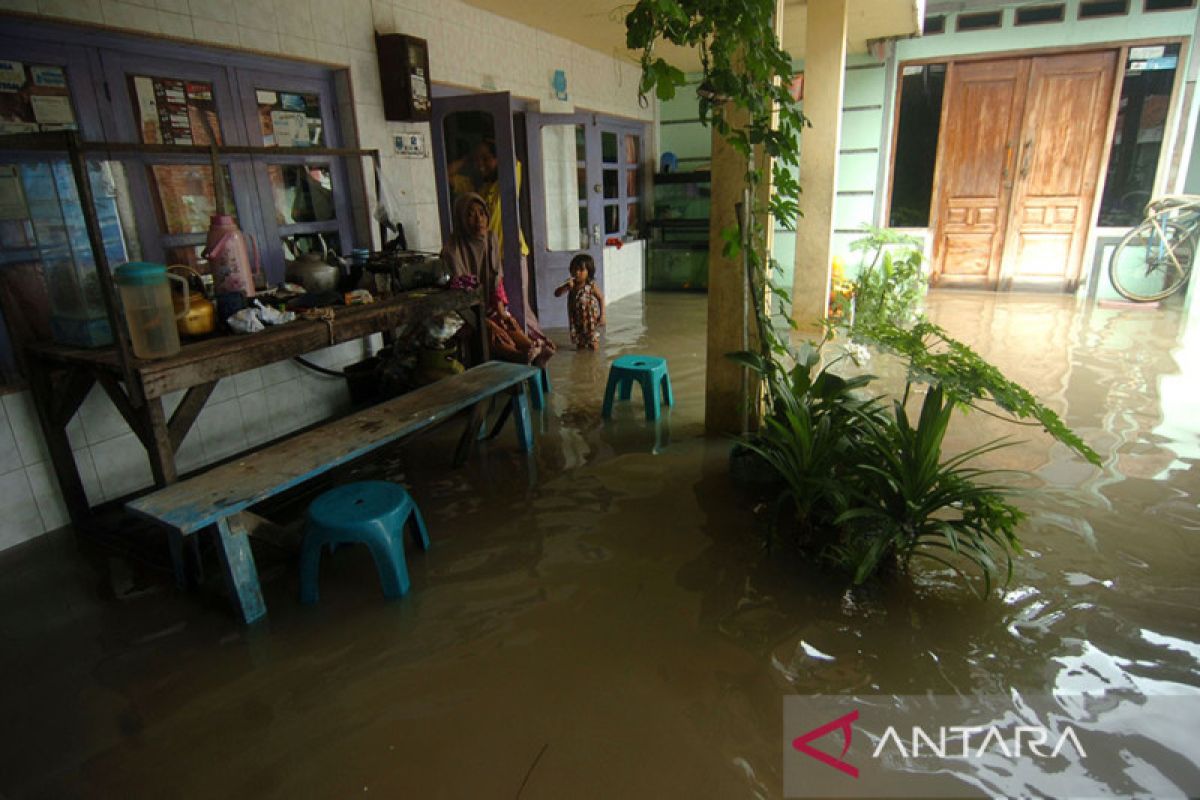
x=1155, y=259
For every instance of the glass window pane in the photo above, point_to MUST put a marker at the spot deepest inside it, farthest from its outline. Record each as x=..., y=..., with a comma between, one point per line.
x=632, y=148
x=322, y=243
x=580, y=144
x=470, y=139
x=608, y=147
x=183, y=195
x=612, y=218
x=611, y=185
x=174, y=111
x=564, y=184
x=585, y=237
x=1138, y=136
x=289, y=119
x=917, y=138
x=633, y=222
x=633, y=182
x=35, y=98
x=303, y=193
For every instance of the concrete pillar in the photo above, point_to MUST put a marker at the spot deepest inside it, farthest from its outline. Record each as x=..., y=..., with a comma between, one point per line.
x=731, y=394
x=824, y=76
x=729, y=311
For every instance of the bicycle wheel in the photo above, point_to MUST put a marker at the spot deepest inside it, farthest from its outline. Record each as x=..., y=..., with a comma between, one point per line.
x=1143, y=267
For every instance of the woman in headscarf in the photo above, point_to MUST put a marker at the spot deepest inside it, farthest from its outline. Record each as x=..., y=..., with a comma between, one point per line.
x=474, y=250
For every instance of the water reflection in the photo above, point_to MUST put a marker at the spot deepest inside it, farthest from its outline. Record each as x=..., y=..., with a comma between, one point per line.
x=610, y=594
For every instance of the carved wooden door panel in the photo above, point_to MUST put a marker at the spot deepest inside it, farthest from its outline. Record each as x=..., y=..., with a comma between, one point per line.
x=981, y=118
x=1062, y=141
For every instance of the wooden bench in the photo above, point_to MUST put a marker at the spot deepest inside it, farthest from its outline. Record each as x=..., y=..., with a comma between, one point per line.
x=219, y=496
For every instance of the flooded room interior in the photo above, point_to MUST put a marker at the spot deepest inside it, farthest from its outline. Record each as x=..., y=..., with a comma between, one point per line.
x=448, y=399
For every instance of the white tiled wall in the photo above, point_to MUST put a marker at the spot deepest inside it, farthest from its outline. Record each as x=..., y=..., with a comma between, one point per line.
x=467, y=47
x=243, y=411
x=624, y=270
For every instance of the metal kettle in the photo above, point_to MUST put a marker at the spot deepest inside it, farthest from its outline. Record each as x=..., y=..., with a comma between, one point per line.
x=199, y=316
x=313, y=271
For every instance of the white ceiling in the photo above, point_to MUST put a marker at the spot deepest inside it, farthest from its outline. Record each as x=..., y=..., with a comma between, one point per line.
x=601, y=26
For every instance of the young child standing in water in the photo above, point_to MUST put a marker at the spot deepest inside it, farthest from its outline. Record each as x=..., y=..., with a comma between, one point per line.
x=585, y=303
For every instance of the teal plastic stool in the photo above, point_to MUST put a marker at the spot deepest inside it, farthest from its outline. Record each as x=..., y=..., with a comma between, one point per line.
x=373, y=513
x=539, y=387
x=650, y=372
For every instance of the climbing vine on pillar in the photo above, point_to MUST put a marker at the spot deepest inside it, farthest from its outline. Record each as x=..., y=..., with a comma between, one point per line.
x=744, y=95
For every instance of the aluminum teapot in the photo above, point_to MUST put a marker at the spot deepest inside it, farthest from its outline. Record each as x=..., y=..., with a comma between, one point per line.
x=313, y=271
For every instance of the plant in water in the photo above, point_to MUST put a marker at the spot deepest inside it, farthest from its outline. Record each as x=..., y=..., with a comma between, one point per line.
x=907, y=501
x=864, y=489
x=891, y=287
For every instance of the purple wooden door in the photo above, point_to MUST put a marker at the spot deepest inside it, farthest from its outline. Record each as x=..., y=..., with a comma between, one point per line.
x=564, y=166
x=466, y=130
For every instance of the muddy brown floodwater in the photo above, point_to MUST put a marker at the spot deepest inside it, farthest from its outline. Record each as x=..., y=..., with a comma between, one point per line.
x=600, y=619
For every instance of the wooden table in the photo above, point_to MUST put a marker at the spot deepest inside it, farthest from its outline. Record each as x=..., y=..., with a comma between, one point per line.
x=62, y=376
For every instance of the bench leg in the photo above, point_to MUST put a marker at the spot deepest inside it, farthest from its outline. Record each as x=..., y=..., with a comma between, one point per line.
x=520, y=413
x=471, y=434
x=178, y=562
x=241, y=576
x=668, y=395
x=537, y=395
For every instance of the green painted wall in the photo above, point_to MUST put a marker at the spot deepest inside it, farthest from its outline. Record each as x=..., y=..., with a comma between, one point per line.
x=867, y=106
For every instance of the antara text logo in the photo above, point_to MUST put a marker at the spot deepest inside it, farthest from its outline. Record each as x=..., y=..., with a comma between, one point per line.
x=1012, y=744
x=954, y=742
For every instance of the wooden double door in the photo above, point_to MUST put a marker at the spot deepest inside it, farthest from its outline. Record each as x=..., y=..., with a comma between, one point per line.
x=1018, y=166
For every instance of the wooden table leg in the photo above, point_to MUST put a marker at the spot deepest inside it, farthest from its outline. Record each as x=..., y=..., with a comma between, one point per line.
x=158, y=443
x=55, y=410
x=241, y=576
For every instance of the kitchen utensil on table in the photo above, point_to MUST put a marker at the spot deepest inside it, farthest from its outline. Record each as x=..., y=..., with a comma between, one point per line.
x=149, y=312
x=200, y=317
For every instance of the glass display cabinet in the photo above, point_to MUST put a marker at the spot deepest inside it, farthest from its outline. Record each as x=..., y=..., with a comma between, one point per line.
x=678, y=233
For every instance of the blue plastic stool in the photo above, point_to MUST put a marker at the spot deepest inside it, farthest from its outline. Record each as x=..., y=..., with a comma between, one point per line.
x=650, y=372
x=539, y=387
x=373, y=513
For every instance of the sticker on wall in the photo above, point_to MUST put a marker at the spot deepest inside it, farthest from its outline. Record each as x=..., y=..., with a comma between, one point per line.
x=410, y=145
x=12, y=76
x=559, y=84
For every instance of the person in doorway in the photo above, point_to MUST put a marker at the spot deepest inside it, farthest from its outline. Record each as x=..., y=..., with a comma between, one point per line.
x=585, y=302
x=479, y=173
x=474, y=250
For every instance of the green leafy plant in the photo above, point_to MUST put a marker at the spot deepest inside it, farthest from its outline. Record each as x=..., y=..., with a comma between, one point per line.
x=808, y=437
x=892, y=285
x=908, y=502
x=934, y=357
